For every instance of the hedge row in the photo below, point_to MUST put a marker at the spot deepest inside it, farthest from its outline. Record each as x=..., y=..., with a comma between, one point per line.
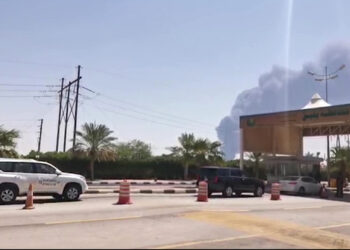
x=143, y=169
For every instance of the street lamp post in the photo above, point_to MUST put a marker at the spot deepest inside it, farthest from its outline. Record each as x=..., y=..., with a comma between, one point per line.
x=325, y=77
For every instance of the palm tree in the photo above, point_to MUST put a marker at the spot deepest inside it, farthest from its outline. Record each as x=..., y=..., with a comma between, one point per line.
x=256, y=159
x=341, y=162
x=201, y=149
x=215, y=155
x=185, y=151
x=196, y=151
x=7, y=142
x=96, y=141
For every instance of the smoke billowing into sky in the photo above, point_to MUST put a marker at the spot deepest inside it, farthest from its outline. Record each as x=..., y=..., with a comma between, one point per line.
x=282, y=89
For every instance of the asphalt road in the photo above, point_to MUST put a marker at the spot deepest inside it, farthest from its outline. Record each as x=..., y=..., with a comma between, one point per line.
x=177, y=221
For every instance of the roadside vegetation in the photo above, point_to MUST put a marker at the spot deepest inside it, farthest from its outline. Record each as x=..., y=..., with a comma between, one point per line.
x=100, y=155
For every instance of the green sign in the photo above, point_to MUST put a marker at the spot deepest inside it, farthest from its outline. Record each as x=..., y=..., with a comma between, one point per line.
x=328, y=113
x=250, y=122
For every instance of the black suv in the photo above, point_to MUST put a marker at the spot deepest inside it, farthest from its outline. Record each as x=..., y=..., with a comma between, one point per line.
x=230, y=180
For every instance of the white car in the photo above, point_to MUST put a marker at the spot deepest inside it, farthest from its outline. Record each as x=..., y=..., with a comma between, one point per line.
x=16, y=175
x=301, y=185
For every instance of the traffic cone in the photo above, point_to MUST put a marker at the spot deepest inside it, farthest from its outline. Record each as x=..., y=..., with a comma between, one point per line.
x=202, y=192
x=29, y=202
x=275, y=191
x=124, y=193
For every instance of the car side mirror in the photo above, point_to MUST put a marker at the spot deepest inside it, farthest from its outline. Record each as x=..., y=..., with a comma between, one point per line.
x=58, y=173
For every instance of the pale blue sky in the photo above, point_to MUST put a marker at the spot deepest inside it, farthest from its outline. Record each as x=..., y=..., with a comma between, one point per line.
x=188, y=58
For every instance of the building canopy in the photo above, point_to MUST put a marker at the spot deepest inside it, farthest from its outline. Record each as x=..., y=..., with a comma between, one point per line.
x=283, y=132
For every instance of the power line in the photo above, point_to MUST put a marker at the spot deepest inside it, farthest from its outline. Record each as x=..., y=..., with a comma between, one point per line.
x=139, y=118
x=149, y=110
x=27, y=85
x=27, y=96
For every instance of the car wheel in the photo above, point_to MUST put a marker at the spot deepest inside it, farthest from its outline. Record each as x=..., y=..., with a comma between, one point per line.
x=301, y=191
x=72, y=192
x=228, y=191
x=259, y=191
x=8, y=194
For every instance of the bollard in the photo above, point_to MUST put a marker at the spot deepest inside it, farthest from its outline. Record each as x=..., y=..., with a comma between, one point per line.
x=124, y=193
x=203, y=192
x=275, y=191
x=29, y=202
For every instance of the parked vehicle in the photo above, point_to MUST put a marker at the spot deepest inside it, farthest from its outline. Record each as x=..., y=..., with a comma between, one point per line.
x=301, y=185
x=16, y=175
x=230, y=180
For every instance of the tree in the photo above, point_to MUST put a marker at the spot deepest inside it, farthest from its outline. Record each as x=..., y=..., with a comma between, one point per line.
x=8, y=142
x=196, y=151
x=340, y=161
x=256, y=159
x=215, y=155
x=133, y=150
x=185, y=151
x=96, y=141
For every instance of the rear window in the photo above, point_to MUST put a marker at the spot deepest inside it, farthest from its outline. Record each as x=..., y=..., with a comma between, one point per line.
x=23, y=167
x=212, y=172
x=290, y=178
x=6, y=166
x=223, y=172
x=236, y=172
x=208, y=172
x=307, y=179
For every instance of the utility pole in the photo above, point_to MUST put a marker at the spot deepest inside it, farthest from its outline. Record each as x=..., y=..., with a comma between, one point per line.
x=66, y=119
x=59, y=116
x=40, y=134
x=320, y=78
x=70, y=109
x=76, y=109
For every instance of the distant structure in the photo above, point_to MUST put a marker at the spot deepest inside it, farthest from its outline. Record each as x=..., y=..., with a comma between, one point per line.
x=316, y=102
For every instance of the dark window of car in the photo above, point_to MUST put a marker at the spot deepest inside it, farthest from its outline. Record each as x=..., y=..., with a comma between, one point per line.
x=6, y=166
x=208, y=172
x=236, y=172
x=23, y=167
x=223, y=172
x=44, y=169
x=307, y=179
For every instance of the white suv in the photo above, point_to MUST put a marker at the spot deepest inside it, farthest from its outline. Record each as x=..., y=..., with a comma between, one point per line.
x=16, y=175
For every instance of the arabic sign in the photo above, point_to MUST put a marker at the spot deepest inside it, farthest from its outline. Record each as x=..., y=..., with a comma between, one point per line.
x=328, y=113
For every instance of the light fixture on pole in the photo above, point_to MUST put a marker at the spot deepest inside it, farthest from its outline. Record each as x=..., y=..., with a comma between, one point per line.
x=325, y=77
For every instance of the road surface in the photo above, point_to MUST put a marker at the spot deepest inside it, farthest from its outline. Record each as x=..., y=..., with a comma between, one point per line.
x=177, y=221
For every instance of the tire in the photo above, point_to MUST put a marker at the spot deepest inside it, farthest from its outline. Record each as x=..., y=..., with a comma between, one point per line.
x=57, y=197
x=72, y=192
x=228, y=192
x=8, y=194
x=301, y=191
x=238, y=194
x=259, y=191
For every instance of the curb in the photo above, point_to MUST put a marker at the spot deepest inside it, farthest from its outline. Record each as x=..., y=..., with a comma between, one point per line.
x=141, y=183
x=144, y=191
